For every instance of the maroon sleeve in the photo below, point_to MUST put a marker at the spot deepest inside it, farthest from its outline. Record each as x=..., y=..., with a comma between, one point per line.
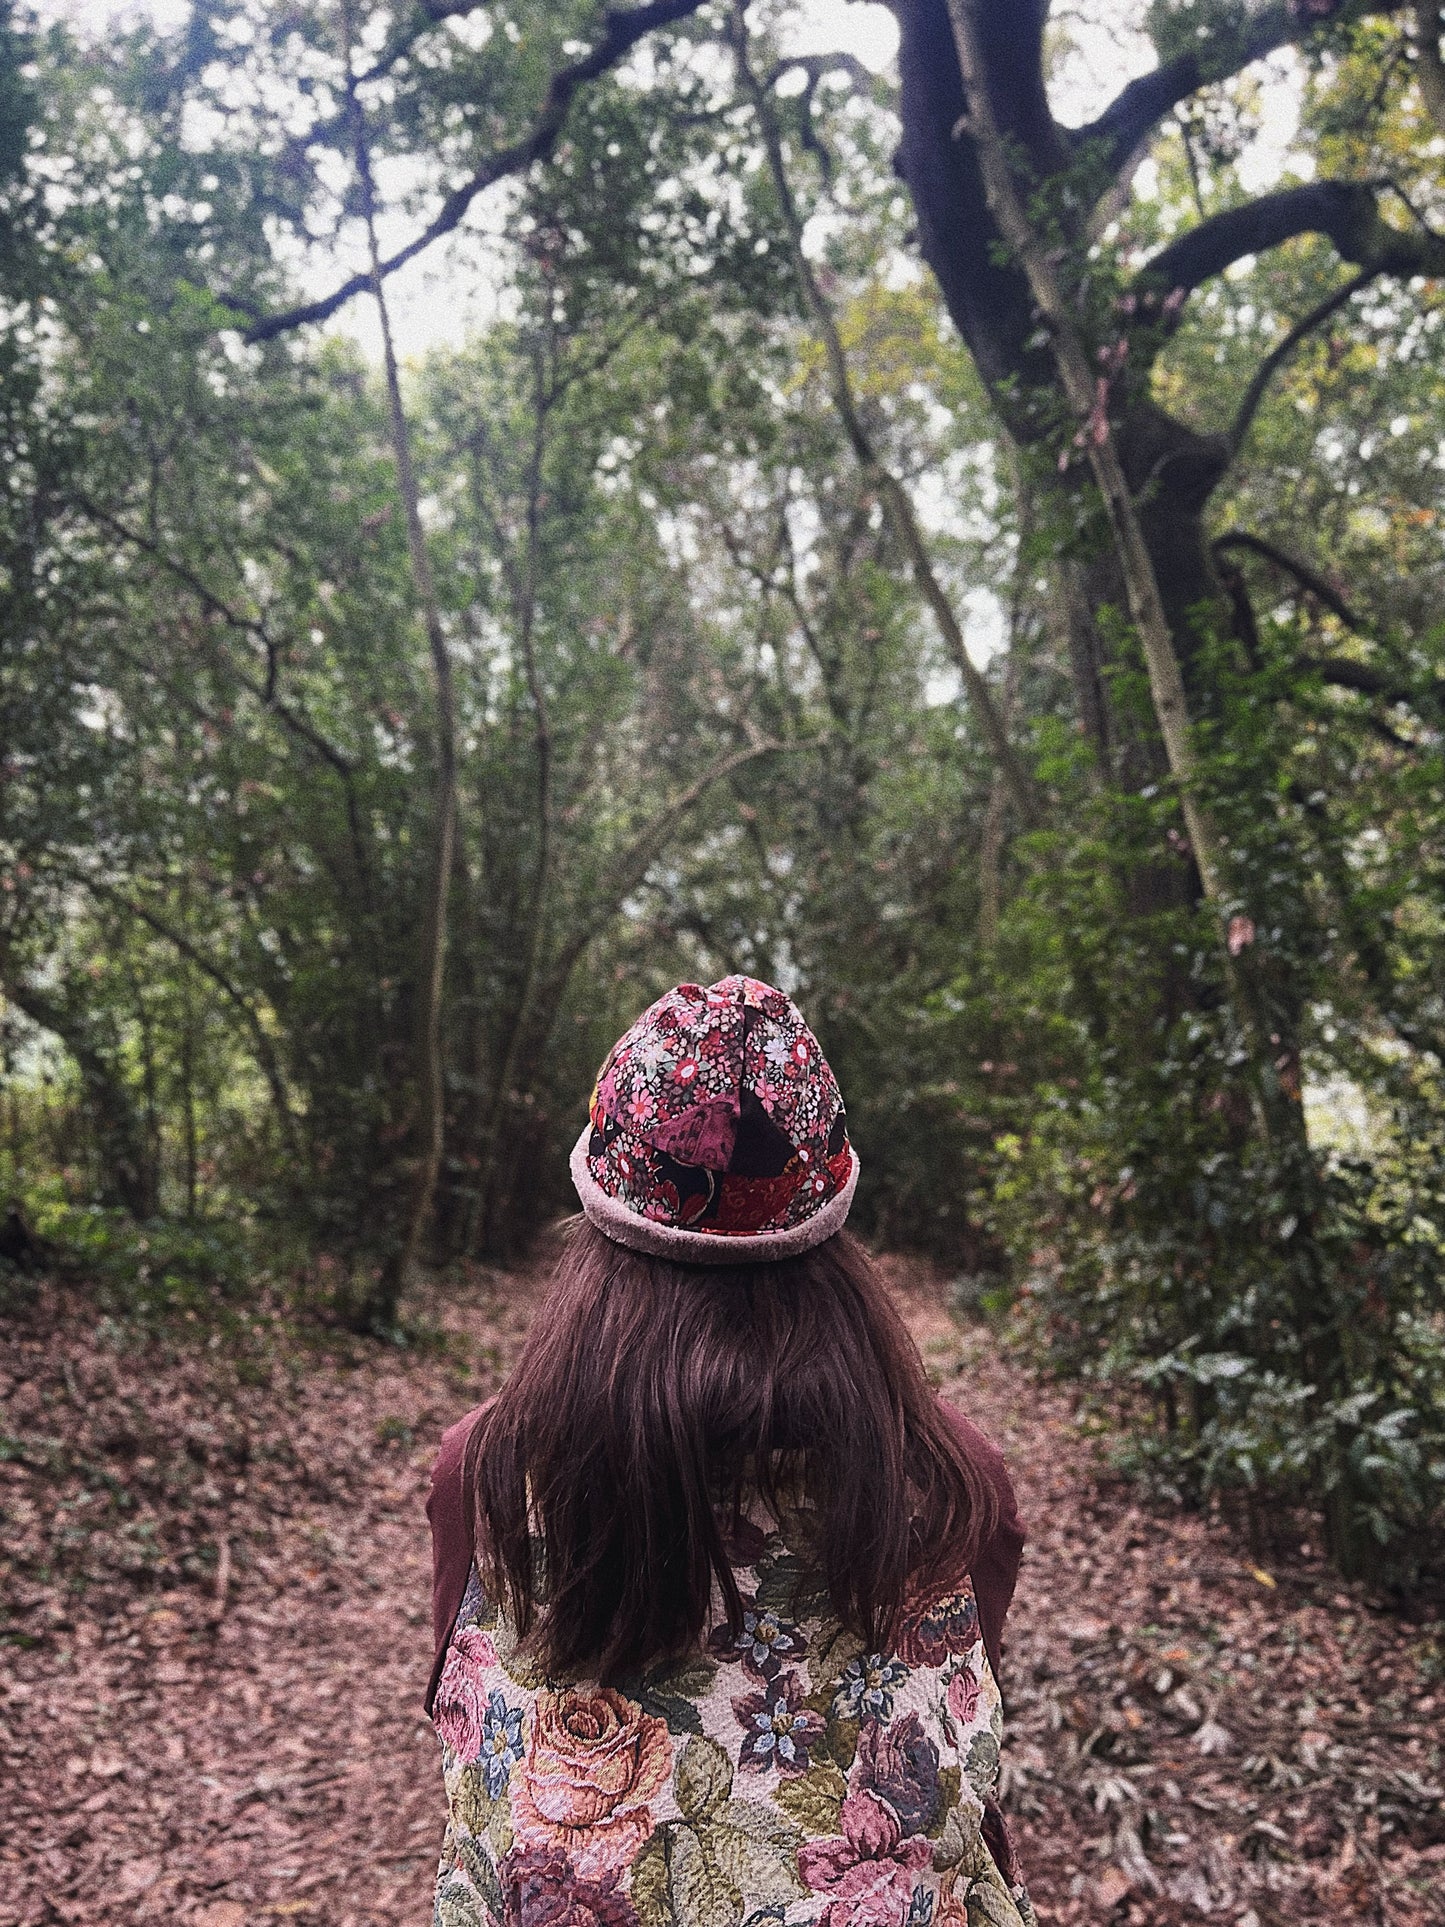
x=449, y=1510
x=996, y=1564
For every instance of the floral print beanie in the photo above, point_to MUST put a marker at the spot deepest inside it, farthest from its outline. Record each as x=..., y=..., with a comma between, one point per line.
x=717, y=1133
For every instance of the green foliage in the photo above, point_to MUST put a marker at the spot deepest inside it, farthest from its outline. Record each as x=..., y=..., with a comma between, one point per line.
x=704, y=720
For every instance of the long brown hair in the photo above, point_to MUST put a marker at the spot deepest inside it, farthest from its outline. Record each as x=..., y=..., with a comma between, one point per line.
x=651, y=1397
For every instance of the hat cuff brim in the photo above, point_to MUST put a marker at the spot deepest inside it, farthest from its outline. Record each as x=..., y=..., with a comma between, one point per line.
x=630, y=1228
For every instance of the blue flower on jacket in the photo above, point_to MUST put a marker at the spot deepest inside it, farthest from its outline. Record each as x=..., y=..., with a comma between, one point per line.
x=778, y=1728
x=501, y=1744
x=764, y=1645
x=865, y=1691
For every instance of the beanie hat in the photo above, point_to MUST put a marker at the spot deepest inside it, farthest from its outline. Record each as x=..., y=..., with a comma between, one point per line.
x=717, y=1132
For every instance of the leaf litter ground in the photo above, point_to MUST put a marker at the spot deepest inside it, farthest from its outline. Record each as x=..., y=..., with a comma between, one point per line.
x=214, y=1626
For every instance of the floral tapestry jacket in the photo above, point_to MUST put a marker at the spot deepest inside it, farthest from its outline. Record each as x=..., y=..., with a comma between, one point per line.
x=781, y=1774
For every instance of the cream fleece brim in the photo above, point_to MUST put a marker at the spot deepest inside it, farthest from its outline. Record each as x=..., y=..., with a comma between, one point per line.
x=629, y=1228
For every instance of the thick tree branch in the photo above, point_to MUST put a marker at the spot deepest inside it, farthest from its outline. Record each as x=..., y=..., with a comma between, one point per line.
x=1137, y=110
x=1279, y=1114
x=1283, y=349
x=1347, y=212
x=623, y=28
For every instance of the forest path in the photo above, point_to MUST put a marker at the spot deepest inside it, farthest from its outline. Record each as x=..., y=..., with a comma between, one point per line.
x=210, y=1696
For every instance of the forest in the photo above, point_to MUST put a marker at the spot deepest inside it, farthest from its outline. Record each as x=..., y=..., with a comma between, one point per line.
x=508, y=507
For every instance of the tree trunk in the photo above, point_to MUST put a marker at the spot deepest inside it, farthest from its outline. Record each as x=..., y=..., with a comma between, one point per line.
x=429, y=1075
x=128, y=1174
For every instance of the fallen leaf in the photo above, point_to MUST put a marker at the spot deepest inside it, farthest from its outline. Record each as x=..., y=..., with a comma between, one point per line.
x=1112, y=1886
x=135, y=1876
x=1213, y=1738
x=221, y=1913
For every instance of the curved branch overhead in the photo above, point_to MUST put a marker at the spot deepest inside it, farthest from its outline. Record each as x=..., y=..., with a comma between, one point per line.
x=1310, y=580
x=623, y=28
x=1138, y=108
x=1284, y=348
x=1347, y=213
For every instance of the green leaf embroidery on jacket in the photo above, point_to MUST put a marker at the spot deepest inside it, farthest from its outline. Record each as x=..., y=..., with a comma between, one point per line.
x=458, y=1906
x=724, y=1856
x=842, y=1739
x=981, y=1765
x=483, y=1875
x=671, y=1692
x=989, y=1902
x=471, y=1803
x=961, y=1847
x=950, y=1781
x=651, y=1892
x=755, y=1853
x=702, y=1895
x=703, y=1779
x=815, y=1799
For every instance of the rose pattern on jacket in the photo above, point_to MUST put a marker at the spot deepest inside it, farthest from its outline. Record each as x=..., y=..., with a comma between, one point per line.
x=540, y=1889
x=774, y=1763
x=594, y=1760
x=899, y=1764
x=463, y=1699
x=936, y=1630
x=870, y=1870
x=965, y=1689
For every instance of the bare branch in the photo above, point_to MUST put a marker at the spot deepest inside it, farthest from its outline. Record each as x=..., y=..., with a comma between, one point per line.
x=1283, y=349
x=428, y=1061
x=1429, y=64
x=261, y=1042
x=630, y=867
x=622, y=30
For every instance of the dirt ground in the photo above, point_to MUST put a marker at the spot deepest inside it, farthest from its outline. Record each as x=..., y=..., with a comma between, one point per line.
x=214, y=1625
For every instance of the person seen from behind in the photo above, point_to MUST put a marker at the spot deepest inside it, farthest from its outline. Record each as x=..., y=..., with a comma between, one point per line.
x=719, y=1582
